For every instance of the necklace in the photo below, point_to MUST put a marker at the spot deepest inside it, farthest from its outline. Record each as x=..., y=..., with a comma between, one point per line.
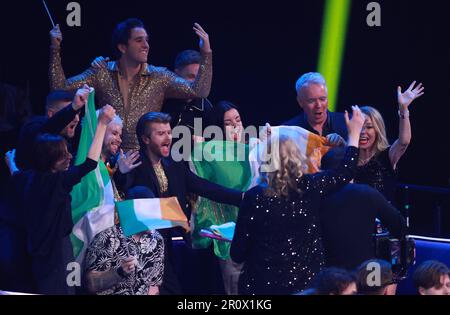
x=364, y=161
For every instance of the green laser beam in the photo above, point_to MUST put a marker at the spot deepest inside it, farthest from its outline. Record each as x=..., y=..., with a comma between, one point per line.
x=332, y=46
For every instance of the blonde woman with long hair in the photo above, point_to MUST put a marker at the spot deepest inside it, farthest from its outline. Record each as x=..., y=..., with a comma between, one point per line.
x=277, y=233
x=378, y=160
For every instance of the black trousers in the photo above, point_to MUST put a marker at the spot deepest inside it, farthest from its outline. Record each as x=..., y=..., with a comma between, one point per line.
x=171, y=283
x=50, y=271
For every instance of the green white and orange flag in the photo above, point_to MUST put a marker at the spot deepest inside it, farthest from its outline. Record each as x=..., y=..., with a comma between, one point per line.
x=139, y=215
x=312, y=146
x=93, y=197
x=238, y=166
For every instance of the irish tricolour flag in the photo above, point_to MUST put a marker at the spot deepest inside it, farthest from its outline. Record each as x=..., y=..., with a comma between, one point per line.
x=139, y=215
x=92, y=198
x=312, y=147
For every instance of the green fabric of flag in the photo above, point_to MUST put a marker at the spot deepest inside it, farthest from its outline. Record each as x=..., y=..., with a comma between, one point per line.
x=224, y=163
x=93, y=198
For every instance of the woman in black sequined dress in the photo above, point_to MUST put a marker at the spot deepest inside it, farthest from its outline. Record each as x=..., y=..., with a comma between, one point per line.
x=277, y=232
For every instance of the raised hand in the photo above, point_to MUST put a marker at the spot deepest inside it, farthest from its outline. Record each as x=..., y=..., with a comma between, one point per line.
x=107, y=114
x=10, y=160
x=204, y=38
x=10, y=156
x=56, y=36
x=100, y=63
x=354, y=126
x=81, y=97
x=407, y=97
x=126, y=161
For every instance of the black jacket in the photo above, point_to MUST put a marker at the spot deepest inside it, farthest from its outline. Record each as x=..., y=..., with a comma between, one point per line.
x=38, y=223
x=181, y=181
x=348, y=218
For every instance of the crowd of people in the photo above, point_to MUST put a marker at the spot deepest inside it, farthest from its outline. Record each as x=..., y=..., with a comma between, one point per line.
x=297, y=231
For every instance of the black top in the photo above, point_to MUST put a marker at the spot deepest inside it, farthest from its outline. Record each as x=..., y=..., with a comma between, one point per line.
x=348, y=223
x=335, y=124
x=36, y=126
x=379, y=174
x=278, y=239
x=41, y=219
x=46, y=205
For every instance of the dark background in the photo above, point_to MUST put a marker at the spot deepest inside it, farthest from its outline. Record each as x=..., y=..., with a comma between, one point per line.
x=260, y=50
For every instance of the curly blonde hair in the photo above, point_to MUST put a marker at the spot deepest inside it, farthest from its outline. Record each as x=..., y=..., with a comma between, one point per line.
x=381, y=142
x=290, y=166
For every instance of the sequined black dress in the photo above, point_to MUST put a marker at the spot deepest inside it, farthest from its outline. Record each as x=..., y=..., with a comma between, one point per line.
x=278, y=239
x=379, y=174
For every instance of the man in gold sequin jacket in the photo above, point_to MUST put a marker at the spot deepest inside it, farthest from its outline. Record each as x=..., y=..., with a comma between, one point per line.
x=129, y=84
